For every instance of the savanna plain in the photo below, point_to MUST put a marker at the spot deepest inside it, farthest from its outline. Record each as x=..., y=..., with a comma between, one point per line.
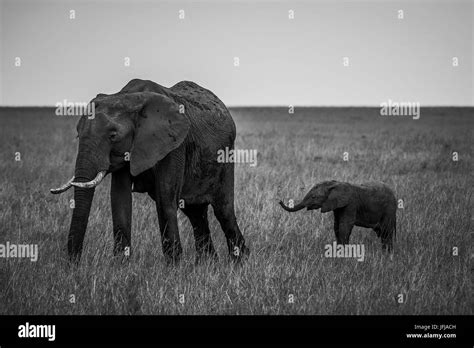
x=287, y=272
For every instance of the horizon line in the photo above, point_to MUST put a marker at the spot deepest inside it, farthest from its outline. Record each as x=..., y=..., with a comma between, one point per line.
x=279, y=106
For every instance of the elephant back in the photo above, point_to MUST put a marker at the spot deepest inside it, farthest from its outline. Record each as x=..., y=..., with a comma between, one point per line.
x=204, y=108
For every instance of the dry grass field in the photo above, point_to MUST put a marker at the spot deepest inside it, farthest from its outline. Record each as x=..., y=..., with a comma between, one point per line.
x=414, y=157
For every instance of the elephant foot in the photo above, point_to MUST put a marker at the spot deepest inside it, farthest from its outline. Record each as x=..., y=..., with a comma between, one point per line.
x=121, y=257
x=172, y=251
x=387, y=244
x=124, y=251
x=239, y=253
x=387, y=247
x=173, y=258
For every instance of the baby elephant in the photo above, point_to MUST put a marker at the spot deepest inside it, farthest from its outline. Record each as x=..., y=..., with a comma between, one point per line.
x=371, y=205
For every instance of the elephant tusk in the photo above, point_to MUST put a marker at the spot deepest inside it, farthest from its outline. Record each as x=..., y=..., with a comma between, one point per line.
x=62, y=188
x=92, y=183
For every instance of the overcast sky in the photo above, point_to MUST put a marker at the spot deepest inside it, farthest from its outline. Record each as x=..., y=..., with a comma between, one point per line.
x=282, y=61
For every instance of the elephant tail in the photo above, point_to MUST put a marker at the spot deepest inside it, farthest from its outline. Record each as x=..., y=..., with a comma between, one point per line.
x=295, y=208
x=392, y=226
x=395, y=229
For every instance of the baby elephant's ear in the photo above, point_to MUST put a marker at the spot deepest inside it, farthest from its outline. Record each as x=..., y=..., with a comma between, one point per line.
x=160, y=129
x=339, y=197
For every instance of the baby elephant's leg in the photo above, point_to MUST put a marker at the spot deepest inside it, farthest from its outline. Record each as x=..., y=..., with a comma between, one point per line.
x=378, y=231
x=336, y=228
x=345, y=229
x=387, y=233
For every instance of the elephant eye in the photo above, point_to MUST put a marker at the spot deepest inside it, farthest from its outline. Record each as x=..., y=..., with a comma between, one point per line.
x=113, y=136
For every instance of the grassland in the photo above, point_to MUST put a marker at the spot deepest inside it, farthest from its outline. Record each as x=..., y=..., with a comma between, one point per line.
x=415, y=157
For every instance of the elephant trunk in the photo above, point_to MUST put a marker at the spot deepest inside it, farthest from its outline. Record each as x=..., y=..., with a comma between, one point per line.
x=86, y=171
x=297, y=207
x=80, y=216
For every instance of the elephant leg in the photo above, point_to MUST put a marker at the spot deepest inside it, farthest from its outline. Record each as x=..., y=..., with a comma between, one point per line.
x=345, y=230
x=346, y=218
x=197, y=215
x=336, y=228
x=223, y=206
x=224, y=211
x=235, y=241
x=377, y=230
x=121, y=202
x=168, y=178
x=387, y=233
x=168, y=221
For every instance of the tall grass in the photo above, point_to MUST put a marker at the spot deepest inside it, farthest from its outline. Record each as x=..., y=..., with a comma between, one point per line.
x=287, y=250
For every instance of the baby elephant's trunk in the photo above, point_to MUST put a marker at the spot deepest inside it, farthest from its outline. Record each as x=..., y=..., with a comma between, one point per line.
x=295, y=208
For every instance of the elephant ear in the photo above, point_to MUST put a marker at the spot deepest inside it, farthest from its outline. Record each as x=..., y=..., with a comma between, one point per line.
x=160, y=129
x=338, y=197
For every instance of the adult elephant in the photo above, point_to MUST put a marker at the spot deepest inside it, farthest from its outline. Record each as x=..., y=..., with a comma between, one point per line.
x=162, y=141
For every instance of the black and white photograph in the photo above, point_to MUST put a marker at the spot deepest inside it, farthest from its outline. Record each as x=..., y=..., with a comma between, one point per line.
x=237, y=162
